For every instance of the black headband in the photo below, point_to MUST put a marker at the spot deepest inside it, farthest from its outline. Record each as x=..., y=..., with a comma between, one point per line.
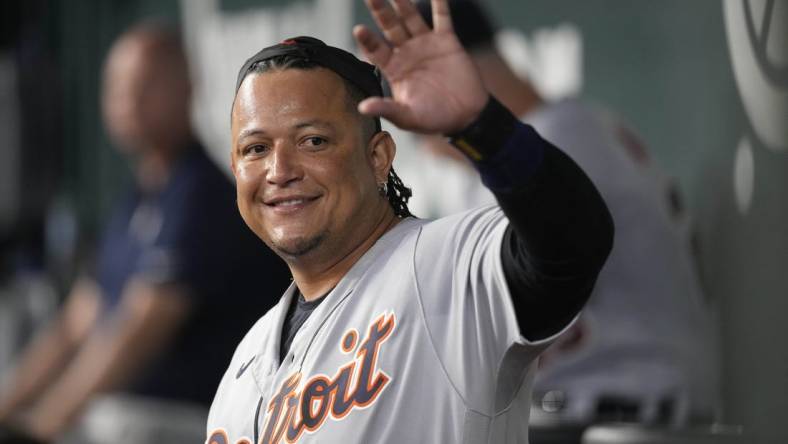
x=361, y=74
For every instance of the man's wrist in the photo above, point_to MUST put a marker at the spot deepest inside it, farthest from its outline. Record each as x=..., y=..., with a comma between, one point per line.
x=486, y=135
x=506, y=151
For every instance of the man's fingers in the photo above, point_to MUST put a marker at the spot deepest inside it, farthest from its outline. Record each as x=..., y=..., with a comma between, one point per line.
x=410, y=17
x=441, y=18
x=375, y=49
x=387, y=108
x=388, y=21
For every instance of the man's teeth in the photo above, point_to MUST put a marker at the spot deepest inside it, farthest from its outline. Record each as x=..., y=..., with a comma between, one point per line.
x=290, y=202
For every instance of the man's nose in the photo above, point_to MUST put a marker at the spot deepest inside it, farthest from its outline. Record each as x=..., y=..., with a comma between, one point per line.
x=284, y=166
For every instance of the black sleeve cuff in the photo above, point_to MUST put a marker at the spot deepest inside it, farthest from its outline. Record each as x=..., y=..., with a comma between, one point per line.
x=483, y=138
x=506, y=151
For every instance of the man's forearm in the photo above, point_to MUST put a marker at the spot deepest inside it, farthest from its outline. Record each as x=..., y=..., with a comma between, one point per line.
x=50, y=350
x=35, y=370
x=560, y=229
x=146, y=321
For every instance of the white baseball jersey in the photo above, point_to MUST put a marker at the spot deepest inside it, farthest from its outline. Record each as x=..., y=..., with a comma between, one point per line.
x=418, y=343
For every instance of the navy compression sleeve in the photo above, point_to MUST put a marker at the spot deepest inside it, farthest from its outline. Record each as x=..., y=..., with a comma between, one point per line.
x=560, y=230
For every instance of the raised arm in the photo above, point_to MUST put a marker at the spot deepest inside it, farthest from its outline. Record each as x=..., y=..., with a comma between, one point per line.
x=560, y=230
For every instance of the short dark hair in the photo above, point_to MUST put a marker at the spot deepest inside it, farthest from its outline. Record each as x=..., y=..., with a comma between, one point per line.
x=396, y=193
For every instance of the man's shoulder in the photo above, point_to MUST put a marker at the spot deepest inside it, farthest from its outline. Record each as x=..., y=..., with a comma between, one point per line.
x=197, y=171
x=453, y=240
x=198, y=188
x=446, y=230
x=463, y=223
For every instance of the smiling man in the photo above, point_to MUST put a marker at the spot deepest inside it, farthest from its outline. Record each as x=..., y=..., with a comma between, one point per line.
x=398, y=329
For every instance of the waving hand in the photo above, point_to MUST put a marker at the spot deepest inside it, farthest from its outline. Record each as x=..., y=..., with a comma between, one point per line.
x=434, y=84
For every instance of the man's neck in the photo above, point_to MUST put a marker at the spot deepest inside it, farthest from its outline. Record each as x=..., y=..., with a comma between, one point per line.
x=155, y=164
x=315, y=276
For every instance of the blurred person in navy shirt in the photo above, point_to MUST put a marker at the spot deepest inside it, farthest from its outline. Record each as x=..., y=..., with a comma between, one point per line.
x=179, y=277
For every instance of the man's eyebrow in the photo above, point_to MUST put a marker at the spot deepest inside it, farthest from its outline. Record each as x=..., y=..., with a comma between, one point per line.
x=250, y=132
x=305, y=124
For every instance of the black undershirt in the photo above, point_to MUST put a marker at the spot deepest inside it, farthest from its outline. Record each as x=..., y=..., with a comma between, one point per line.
x=299, y=311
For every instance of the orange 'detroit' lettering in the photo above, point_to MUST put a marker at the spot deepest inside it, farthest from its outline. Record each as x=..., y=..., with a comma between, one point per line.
x=291, y=412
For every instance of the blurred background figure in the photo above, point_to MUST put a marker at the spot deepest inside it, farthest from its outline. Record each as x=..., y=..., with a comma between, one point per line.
x=178, y=277
x=644, y=348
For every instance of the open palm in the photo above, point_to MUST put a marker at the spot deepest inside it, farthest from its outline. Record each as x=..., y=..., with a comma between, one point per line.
x=435, y=87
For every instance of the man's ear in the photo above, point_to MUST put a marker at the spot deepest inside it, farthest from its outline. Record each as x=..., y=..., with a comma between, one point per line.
x=381, y=150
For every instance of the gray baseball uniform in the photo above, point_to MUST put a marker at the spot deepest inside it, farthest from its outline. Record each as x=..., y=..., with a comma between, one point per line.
x=417, y=343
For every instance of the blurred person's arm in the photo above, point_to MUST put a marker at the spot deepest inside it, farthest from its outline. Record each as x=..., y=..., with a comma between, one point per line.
x=52, y=347
x=147, y=318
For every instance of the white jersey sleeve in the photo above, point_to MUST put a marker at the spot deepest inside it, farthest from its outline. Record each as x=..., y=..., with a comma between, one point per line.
x=473, y=327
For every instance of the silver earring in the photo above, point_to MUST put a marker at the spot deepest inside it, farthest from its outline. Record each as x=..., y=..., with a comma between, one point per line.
x=383, y=189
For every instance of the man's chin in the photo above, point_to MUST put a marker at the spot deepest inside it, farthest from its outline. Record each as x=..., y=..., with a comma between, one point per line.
x=298, y=247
